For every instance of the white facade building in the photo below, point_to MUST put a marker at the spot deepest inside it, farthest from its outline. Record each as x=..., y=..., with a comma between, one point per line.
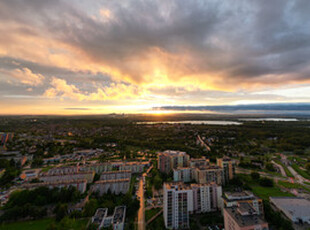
x=182, y=199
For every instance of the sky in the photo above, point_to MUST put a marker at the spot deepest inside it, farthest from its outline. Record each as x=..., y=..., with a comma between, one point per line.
x=128, y=56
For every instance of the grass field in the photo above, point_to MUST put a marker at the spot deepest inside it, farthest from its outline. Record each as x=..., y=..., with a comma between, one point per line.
x=263, y=192
x=41, y=225
x=28, y=225
x=291, y=185
x=266, y=192
x=150, y=213
x=157, y=224
x=300, y=171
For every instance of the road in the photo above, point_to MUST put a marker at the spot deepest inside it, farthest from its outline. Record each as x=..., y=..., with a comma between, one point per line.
x=280, y=167
x=248, y=171
x=300, y=179
x=141, y=214
x=203, y=143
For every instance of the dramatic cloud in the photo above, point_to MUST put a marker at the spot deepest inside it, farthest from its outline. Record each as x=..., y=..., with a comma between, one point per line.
x=60, y=88
x=24, y=76
x=172, y=52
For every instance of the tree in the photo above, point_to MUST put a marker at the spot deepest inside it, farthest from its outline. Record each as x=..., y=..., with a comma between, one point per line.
x=269, y=167
x=61, y=210
x=90, y=208
x=255, y=176
x=266, y=182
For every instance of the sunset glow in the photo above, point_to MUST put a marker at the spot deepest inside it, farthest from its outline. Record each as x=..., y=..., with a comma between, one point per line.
x=81, y=57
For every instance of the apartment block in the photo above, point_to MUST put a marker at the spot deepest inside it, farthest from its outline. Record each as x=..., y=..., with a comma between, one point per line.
x=169, y=160
x=63, y=170
x=80, y=185
x=116, y=175
x=198, y=162
x=114, y=186
x=209, y=174
x=228, y=165
x=88, y=176
x=184, y=174
x=243, y=217
x=181, y=199
x=134, y=166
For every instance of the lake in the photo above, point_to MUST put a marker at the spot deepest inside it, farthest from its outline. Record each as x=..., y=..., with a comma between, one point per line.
x=204, y=122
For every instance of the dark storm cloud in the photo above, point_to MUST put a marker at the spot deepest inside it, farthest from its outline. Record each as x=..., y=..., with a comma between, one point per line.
x=235, y=40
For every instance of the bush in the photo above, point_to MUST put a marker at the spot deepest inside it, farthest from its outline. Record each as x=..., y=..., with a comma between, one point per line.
x=266, y=182
x=269, y=167
x=255, y=176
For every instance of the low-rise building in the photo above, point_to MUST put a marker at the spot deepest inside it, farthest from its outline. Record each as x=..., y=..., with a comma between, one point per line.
x=232, y=199
x=80, y=185
x=133, y=166
x=295, y=209
x=243, y=217
x=63, y=170
x=117, y=220
x=114, y=186
x=88, y=176
x=31, y=174
x=116, y=175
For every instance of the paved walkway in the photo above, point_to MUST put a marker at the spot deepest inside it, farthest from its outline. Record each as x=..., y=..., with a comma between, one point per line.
x=280, y=167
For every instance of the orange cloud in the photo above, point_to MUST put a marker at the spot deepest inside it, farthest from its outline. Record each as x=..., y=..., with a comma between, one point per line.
x=60, y=88
x=24, y=76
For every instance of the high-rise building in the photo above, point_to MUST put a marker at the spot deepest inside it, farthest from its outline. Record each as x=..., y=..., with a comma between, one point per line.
x=181, y=199
x=228, y=165
x=177, y=198
x=169, y=160
x=184, y=174
x=198, y=162
x=209, y=174
x=243, y=217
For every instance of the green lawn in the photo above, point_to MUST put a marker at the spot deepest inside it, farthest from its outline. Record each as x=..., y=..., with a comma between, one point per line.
x=260, y=191
x=28, y=225
x=291, y=185
x=150, y=213
x=157, y=224
x=298, y=159
x=41, y=225
x=266, y=192
x=300, y=171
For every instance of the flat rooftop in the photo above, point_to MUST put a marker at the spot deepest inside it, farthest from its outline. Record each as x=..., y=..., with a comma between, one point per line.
x=119, y=214
x=244, y=220
x=238, y=196
x=112, y=181
x=173, y=152
x=292, y=206
x=209, y=167
x=99, y=215
x=177, y=186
